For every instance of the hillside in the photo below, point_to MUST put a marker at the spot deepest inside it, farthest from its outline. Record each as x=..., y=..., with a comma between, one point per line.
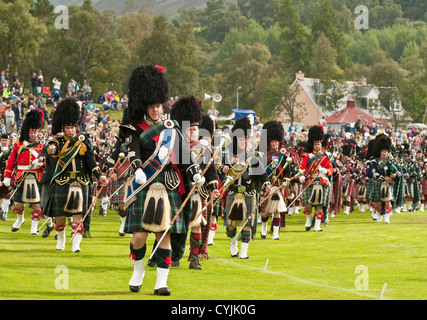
x=167, y=7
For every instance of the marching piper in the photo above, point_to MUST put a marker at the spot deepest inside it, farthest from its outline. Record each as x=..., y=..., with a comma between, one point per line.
x=121, y=174
x=383, y=174
x=4, y=191
x=315, y=169
x=277, y=162
x=187, y=111
x=248, y=172
x=161, y=170
x=75, y=165
x=27, y=171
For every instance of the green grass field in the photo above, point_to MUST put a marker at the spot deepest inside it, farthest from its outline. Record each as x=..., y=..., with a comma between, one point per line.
x=351, y=260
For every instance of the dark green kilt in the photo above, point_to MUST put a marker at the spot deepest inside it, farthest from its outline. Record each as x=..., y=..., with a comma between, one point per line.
x=376, y=191
x=307, y=195
x=119, y=196
x=136, y=209
x=58, y=199
x=398, y=192
x=369, y=190
x=17, y=197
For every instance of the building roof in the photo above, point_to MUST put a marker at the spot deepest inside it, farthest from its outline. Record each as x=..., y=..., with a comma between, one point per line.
x=349, y=114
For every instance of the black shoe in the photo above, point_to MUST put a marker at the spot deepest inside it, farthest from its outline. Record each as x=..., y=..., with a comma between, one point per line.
x=175, y=263
x=165, y=291
x=134, y=288
x=151, y=263
x=235, y=255
x=195, y=265
x=47, y=231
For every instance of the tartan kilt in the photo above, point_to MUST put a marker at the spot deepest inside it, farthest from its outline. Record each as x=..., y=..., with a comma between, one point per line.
x=369, y=190
x=424, y=186
x=307, y=195
x=335, y=202
x=58, y=199
x=376, y=192
x=44, y=195
x=251, y=205
x=119, y=196
x=217, y=209
x=206, y=214
x=105, y=191
x=398, y=192
x=352, y=190
x=136, y=210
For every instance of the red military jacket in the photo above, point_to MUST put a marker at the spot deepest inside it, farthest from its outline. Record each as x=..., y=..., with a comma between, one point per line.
x=21, y=158
x=309, y=158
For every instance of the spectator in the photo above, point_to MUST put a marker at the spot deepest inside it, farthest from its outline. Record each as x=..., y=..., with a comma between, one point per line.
x=414, y=132
x=373, y=129
x=39, y=83
x=213, y=112
x=2, y=78
x=106, y=105
x=357, y=126
x=56, y=96
x=19, y=114
x=124, y=101
x=292, y=127
x=10, y=118
x=6, y=91
x=87, y=89
x=16, y=84
x=83, y=97
x=91, y=106
x=2, y=127
x=34, y=82
x=71, y=88
x=56, y=87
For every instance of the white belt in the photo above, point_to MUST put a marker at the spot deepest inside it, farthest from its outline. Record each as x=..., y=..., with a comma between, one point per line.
x=25, y=167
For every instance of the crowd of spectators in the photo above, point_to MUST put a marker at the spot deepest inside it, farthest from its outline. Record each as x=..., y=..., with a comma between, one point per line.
x=360, y=134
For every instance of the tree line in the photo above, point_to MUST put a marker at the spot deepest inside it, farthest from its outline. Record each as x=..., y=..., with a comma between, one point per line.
x=249, y=48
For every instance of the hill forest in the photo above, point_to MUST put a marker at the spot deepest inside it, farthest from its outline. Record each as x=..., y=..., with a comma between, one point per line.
x=246, y=50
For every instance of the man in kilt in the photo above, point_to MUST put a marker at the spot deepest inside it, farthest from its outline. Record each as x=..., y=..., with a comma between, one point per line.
x=241, y=201
x=73, y=158
x=152, y=207
x=4, y=191
x=383, y=174
x=277, y=158
x=24, y=165
x=187, y=111
x=315, y=169
x=121, y=174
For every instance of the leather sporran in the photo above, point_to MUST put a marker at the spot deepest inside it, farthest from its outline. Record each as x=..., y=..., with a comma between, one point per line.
x=361, y=193
x=196, y=207
x=237, y=215
x=31, y=192
x=275, y=203
x=344, y=192
x=317, y=195
x=74, y=203
x=385, y=192
x=157, y=209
